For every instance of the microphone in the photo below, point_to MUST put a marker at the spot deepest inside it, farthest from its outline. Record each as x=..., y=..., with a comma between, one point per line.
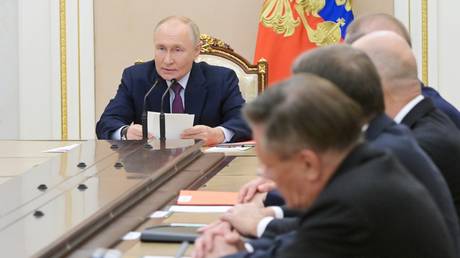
x=144, y=111
x=162, y=113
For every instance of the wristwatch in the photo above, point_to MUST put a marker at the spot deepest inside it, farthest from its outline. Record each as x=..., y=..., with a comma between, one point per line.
x=124, y=133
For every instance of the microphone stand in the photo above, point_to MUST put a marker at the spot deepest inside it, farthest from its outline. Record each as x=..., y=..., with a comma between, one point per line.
x=144, y=112
x=162, y=115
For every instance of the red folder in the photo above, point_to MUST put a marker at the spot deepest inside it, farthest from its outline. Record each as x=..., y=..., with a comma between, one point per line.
x=207, y=198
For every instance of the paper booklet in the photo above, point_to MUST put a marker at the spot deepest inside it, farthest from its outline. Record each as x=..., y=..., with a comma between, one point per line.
x=175, y=124
x=207, y=198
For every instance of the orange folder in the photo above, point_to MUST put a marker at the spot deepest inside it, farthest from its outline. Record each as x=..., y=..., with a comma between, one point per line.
x=207, y=198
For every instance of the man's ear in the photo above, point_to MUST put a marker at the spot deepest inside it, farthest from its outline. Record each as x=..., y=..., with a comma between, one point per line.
x=197, y=49
x=312, y=164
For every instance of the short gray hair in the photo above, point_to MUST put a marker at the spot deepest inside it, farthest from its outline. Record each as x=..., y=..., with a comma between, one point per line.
x=373, y=22
x=194, y=29
x=305, y=112
x=350, y=69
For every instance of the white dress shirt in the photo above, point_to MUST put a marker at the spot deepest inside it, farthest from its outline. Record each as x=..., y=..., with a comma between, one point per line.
x=407, y=108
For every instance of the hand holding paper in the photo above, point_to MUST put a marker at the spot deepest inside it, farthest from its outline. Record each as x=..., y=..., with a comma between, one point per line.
x=209, y=135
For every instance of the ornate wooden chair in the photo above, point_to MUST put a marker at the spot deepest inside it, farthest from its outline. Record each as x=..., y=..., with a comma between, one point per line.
x=252, y=77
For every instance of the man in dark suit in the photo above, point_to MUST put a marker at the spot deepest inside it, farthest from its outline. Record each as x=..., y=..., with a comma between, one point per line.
x=433, y=130
x=209, y=92
x=352, y=71
x=355, y=201
x=375, y=22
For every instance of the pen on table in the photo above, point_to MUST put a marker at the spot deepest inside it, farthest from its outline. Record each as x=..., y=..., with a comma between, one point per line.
x=233, y=146
x=183, y=247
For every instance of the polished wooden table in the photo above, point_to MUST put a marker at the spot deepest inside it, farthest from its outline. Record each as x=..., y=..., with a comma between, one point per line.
x=69, y=204
x=239, y=171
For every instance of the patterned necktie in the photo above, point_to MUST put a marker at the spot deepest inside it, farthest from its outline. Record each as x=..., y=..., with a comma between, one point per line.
x=177, y=106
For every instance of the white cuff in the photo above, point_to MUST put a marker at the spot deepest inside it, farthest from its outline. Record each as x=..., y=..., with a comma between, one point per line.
x=279, y=214
x=228, y=134
x=249, y=247
x=262, y=225
x=116, y=135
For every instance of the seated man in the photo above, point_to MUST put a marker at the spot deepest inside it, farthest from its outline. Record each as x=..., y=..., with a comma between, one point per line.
x=352, y=71
x=375, y=22
x=355, y=201
x=210, y=92
x=436, y=134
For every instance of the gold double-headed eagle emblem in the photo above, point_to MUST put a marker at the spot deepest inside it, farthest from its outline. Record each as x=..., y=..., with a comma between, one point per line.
x=279, y=16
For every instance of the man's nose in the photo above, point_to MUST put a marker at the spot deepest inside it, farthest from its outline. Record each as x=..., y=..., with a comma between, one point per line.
x=168, y=58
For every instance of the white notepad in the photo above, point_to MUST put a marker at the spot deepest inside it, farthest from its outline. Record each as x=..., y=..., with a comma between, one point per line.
x=175, y=124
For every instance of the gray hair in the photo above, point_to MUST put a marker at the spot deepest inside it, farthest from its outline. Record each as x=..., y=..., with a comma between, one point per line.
x=305, y=112
x=194, y=29
x=374, y=22
x=350, y=69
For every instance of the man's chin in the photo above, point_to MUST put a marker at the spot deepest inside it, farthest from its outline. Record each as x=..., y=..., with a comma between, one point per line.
x=167, y=77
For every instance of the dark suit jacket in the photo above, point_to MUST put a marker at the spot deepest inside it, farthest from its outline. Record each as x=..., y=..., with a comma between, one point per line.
x=440, y=139
x=372, y=207
x=442, y=104
x=383, y=133
x=212, y=94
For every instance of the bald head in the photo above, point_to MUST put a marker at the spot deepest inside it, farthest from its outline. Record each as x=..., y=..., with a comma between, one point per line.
x=375, y=22
x=395, y=64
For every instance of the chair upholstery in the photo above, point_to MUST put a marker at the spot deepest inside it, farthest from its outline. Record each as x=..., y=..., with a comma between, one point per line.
x=252, y=77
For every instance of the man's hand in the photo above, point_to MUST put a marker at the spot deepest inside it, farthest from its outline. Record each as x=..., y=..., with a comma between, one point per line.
x=228, y=244
x=210, y=135
x=205, y=243
x=245, y=217
x=259, y=185
x=135, y=132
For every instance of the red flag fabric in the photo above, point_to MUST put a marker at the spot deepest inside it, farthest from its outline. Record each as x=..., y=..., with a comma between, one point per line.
x=288, y=28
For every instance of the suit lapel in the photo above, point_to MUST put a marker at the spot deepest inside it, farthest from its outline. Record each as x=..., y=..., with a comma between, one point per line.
x=195, y=93
x=420, y=110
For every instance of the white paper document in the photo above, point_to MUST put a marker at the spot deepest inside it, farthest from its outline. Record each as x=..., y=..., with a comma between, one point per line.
x=227, y=149
x=133, y=235
x=62, y=149
x=175, y=124
x=160, y=214
x=149, y=256
x=200, y=209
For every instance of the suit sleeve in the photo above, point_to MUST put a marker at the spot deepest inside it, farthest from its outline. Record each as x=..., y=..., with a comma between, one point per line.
x=274, y=198
x=330, y=230
x=233, y=102
x=120, y=110
x=280, y=226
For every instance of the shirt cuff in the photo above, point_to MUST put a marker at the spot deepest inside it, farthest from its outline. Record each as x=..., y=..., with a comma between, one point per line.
x=262, y=225
x=279, y=214
x=228, y=134
x=116, y=135
x=249, y=247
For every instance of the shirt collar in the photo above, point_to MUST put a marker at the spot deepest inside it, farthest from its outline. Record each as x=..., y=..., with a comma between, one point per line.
x=183, y=81
x=407, y=108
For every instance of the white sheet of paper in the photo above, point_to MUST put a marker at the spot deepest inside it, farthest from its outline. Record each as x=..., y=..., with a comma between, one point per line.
x=201, y=209
x=62, y=149
x=133, y=235
x=160, y=214
x=150, y=256
x=175, y=124
x=227, y=149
